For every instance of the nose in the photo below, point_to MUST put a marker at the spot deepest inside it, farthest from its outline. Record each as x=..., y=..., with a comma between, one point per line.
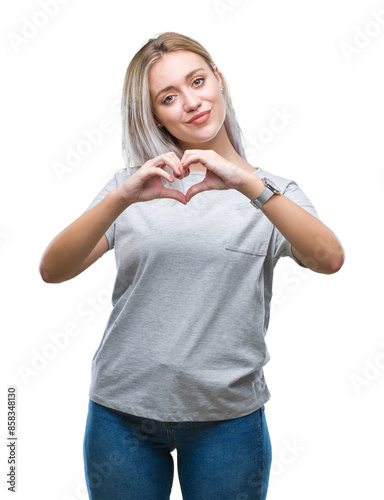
x=191, y=101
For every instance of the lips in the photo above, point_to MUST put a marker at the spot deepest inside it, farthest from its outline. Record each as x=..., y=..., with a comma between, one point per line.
x=201, y=117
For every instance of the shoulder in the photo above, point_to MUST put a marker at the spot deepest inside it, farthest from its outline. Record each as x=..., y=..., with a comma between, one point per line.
x=119, y=176
x=282, y=183
x=122, y=174
x=291, y=190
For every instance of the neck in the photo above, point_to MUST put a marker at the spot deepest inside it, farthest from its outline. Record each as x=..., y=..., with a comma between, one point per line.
x=222, y=146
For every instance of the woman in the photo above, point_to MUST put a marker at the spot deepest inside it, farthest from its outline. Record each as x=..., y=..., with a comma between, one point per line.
x=180, y=365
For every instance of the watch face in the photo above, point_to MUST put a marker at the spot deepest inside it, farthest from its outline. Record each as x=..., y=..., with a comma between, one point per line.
x=271, y=185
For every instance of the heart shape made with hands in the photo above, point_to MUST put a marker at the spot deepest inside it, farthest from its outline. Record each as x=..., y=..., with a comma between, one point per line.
x=192, y=191
x=220, y=174
x=214, y=166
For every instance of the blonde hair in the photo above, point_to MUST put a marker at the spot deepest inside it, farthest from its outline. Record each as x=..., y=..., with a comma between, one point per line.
x=142, y=139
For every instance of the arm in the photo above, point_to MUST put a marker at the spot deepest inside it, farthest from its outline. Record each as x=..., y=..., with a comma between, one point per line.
x=81, y=243
x=313, y=243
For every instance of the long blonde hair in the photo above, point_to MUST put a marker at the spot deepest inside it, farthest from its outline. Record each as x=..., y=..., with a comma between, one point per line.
x=142, y=139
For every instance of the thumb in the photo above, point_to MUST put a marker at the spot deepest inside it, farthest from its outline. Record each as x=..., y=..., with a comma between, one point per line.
x=196, y=189
x=174, y=194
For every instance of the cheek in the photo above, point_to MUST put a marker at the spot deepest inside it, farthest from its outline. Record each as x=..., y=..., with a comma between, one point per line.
x=220, y=107
x=217, y=99
x=171, y=115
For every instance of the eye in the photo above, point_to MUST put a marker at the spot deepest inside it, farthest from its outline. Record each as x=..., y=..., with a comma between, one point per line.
x=170, y=98
x=197, y=80
x=166, y=101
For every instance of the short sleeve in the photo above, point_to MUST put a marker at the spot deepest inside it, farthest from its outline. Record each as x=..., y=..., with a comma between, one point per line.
x=110, y=185
x=281, y=247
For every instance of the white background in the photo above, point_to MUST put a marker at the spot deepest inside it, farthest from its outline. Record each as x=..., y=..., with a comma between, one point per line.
x=326, y=337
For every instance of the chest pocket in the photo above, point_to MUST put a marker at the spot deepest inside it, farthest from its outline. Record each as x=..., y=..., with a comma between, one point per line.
x=252, y=237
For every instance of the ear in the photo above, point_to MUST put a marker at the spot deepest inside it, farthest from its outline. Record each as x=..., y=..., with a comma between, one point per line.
x=217, y=75
x=157, y=121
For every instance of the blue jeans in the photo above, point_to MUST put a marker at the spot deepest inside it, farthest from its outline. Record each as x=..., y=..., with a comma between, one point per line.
x=128, y=457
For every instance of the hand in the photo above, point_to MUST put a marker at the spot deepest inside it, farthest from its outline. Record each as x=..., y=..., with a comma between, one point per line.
x=220, y=174
x=146, y=183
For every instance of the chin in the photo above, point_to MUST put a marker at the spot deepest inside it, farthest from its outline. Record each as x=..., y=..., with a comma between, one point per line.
x=202, y=135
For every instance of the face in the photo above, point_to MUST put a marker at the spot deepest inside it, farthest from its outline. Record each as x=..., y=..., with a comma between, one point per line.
x=182, y=85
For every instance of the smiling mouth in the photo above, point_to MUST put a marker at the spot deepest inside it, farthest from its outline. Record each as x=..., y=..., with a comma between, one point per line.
x=200, y=118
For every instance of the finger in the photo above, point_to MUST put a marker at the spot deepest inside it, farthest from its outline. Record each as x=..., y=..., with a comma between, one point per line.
x=184, y=174
x=189, y=160
x=163, y=162
x=172, y=161
x=162, y=173
x=175, y=194
x=196, y=158
x=188, y=153
x=195, y=189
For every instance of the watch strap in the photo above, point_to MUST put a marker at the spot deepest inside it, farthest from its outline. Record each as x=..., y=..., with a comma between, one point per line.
x=263, y=197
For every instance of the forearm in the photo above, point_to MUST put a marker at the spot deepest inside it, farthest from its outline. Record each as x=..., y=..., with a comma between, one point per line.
x=313, y=242
x=68, y=250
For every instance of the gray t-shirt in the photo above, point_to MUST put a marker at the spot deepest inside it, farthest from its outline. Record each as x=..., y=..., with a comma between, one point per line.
x=185, y=339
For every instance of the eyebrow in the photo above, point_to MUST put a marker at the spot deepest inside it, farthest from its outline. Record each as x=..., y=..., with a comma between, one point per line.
x=172, y=87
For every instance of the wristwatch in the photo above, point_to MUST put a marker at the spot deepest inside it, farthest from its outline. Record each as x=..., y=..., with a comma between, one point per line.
x=269, y=190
